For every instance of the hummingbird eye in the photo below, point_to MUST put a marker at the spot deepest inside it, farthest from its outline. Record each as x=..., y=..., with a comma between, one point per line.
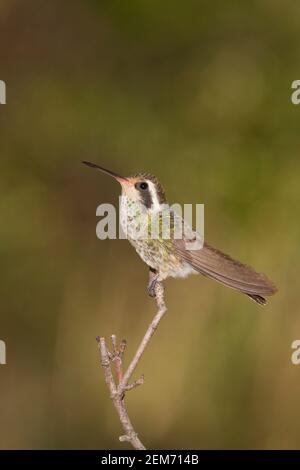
x=142, y=185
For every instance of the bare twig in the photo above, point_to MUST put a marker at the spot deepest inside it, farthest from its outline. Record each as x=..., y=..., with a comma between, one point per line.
x=118, y=390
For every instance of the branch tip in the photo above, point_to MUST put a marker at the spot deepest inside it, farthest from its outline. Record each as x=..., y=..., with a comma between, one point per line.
x=135, y=384
x=114, y=343
x=124, y=438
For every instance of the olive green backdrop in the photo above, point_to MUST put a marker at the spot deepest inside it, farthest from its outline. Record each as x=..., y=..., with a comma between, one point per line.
x=197, y=93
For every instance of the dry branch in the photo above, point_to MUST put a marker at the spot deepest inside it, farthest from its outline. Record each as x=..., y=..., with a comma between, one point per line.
x=119, y=387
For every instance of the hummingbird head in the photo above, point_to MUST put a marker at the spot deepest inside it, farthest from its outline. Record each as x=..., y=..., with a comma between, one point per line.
x=142, y=188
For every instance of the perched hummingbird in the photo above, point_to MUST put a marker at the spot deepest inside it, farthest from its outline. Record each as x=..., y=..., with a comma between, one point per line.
x=145, y=196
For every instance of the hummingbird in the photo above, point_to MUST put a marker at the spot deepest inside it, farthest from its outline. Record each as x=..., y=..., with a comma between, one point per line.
x=143, y=196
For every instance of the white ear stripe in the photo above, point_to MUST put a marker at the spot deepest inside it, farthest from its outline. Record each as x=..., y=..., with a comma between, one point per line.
x=155, y=201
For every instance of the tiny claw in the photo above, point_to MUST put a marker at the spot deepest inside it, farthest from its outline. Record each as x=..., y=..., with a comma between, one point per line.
x=152, y=287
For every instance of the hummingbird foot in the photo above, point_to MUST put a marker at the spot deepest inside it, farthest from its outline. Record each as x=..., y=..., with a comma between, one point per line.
x=153, y=280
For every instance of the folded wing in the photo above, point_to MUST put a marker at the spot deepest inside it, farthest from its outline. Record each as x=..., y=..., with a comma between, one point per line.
x=217, y=265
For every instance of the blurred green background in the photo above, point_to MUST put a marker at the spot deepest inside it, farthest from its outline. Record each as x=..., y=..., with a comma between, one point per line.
x=197, y=93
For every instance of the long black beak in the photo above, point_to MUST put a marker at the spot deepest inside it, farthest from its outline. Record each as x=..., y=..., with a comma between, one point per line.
x=117, y=177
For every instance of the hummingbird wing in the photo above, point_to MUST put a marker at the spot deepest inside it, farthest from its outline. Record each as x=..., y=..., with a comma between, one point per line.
x=217, y=265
